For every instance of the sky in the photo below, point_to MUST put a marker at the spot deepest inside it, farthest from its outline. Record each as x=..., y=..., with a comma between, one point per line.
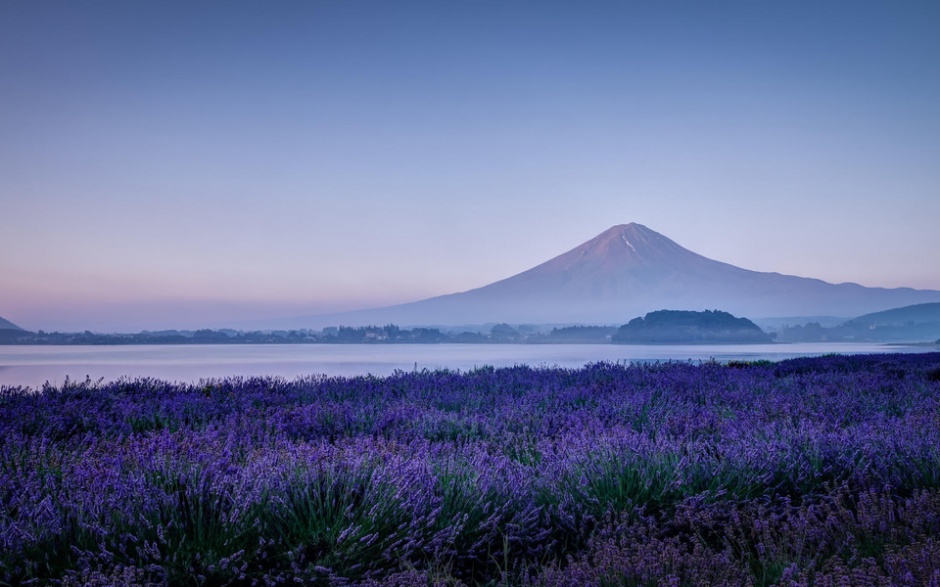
x=173, y=164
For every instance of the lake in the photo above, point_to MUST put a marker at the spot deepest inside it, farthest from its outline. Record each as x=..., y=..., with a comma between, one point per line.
x=31, y=366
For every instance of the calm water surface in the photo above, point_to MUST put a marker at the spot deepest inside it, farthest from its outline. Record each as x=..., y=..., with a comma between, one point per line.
x=32, y=366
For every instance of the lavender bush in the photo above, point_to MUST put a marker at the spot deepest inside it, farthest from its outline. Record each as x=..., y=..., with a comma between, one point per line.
x=820, y=471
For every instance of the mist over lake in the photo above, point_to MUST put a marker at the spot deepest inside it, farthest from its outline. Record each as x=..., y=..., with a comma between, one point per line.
x=32, y=366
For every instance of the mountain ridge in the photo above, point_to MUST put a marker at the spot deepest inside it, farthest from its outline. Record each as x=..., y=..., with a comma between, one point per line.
x=626, y=271
x=918, y=313
x=7, y=325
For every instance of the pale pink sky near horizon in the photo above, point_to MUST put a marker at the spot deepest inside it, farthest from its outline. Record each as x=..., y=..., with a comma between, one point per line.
x=170, y=165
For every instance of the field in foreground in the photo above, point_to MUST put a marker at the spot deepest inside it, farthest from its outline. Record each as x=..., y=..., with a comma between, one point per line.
x=818, y=471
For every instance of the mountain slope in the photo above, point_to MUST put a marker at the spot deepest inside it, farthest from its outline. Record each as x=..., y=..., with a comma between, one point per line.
x=917, y=323
x=917, y=314
x=628, y=271
x=7, y=325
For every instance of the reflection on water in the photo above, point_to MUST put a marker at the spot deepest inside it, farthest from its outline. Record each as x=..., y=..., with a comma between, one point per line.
x=34, y=365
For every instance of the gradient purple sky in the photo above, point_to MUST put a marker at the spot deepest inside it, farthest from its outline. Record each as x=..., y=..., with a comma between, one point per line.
x=177, y=164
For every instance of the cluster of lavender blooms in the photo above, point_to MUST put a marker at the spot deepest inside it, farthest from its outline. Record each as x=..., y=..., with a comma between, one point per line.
x=818, y=472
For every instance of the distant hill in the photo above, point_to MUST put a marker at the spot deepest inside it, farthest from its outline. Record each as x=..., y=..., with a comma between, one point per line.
x=628, y=270
x=917, y=323
x=914, y=324
x=10, y=333
x=7, y=325
x=685, y=327
x=916, y=314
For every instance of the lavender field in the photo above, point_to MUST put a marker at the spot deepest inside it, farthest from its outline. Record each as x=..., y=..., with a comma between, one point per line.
x=818, y=471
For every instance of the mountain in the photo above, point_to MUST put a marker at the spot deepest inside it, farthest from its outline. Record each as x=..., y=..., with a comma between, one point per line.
x=7, y=325
x=10, y=333
x=628, y=271
x=908, y=315
x=910, y=324
x=917, y=323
